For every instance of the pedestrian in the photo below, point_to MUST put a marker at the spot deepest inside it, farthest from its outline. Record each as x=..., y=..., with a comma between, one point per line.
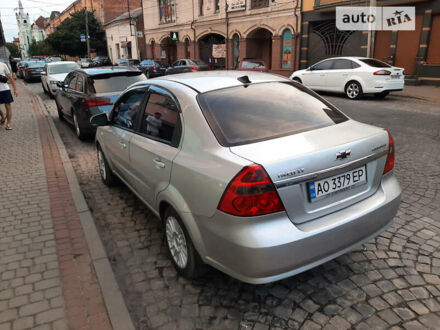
x=5, y=95
x=14, y=67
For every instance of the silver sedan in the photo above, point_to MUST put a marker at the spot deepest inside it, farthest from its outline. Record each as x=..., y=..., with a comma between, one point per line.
x=252, y=174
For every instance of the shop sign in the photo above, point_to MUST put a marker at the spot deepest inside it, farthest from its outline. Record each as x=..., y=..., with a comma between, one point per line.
x=219, y=51
x=236, y=5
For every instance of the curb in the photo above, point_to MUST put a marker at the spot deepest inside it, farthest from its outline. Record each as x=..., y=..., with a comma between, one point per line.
x=114, y=302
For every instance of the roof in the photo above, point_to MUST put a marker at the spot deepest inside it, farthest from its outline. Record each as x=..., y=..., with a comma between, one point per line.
x=40, y=22
x=205, y=81
x=106, y=70
x=133, y=13
x=54, y=14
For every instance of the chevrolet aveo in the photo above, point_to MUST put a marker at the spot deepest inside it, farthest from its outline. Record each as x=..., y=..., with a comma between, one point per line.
x=254, y=175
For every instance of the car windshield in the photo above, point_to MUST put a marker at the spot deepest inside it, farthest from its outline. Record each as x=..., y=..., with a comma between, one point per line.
x=375, y=63
x=263, y=111
x=36, y=64
x=147, y=62
x=110, y=84
x=252, y=65
x=62, y=68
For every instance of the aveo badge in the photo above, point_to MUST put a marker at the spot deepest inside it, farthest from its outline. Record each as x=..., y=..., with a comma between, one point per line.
x=376, y=18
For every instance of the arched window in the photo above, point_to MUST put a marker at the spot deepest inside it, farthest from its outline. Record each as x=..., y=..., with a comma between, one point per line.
x=286, y=56
x=153, y=44
x=236, y=53
x=187, y=52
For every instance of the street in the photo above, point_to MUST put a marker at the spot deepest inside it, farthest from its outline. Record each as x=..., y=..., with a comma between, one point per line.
x=393, y=280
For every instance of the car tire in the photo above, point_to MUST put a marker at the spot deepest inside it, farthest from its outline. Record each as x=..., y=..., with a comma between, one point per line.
x=381, y=95
x=353, y=90
x=44, y=88
x=59, y=110
x=106, y=173
x=79, y=129
x=298, y=80
x=183, y=255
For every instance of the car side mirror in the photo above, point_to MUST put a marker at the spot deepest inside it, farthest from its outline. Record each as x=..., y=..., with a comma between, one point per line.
x=99, y=120
x=310, y=69
x=43, y=73
x=60, y=84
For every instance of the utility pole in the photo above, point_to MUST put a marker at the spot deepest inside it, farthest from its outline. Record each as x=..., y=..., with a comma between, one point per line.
x=87, y=33
x=370, y=43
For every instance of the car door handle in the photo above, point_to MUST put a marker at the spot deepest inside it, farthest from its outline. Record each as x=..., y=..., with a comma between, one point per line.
x=123, y=145
x=159, y=163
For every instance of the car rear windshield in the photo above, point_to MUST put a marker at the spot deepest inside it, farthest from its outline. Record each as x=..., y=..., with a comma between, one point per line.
x=252, y=65
x=62, y=68
x=36, y=64
x=263, y=111
x=375, y=63
x=196, y=62
x=147, y=62
x=110, y=84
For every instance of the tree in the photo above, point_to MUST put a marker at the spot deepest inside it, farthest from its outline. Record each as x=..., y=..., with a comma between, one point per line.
x=41, y=48
x=13, y=49
x=66, y=37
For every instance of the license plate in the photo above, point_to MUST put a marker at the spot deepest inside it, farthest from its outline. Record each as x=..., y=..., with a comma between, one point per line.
x=395, y=76
x=334, y=184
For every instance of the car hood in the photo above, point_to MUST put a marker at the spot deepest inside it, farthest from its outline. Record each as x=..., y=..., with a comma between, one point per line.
x=57, y=77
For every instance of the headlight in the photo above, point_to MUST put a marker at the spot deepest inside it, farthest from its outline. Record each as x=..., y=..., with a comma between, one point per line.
x=53, y=82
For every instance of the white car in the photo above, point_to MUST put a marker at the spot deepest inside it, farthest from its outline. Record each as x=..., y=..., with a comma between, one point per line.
x=354, y=76
x=54, y=72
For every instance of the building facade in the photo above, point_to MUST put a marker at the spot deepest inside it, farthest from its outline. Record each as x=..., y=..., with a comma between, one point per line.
x=24, y=30
x=223, y=32
x=417, y=51
x=125, y=37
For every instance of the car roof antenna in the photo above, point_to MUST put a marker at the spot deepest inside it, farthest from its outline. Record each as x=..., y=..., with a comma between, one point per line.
x=244, y=80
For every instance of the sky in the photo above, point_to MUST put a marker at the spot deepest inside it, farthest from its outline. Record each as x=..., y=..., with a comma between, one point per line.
x=35, y=8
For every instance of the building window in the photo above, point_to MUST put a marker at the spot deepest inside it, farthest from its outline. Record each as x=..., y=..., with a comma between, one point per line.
x=201, y=4
x=166, y=11
x=259, y=4
x=217, y=6
x=286, y=58
x=118, y=51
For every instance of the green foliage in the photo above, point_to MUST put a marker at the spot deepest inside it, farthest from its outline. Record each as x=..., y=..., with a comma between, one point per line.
x=66, y=37
x=13, y=49
x=41, y=48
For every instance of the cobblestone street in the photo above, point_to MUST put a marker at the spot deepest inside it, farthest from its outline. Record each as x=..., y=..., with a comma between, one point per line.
x=390, y=282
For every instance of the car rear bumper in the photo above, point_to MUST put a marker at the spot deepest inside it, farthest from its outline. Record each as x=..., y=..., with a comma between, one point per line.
x=269, y=248
x=380, y=86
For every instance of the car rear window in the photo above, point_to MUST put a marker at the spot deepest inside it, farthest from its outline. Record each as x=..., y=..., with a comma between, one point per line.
x=110, y=84
x=375, y=63
x=36, y=64
x=147, y=62
x=196, y=62
x=257, y=112
x=252, y=65
x=62, y=68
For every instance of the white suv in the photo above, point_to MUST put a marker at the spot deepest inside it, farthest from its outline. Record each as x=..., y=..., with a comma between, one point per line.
x=354, y=76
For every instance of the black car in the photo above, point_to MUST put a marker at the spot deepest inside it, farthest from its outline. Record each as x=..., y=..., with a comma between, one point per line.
x=152, y=68
x=187, y=65
x=32, y=70
x=20, y=67
x=101, y=61
x=87, y=92
x=128, y=62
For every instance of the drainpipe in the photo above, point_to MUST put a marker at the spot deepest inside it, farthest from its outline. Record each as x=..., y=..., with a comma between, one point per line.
x=297, y=33
x=194, y=31
x=227, y=37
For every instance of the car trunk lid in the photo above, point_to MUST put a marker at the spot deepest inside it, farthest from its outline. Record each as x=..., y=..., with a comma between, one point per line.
x=297, y=161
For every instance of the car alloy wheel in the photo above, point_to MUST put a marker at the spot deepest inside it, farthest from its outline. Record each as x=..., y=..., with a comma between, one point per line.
x=101, y=165
x=353, y=90
x=176, y=242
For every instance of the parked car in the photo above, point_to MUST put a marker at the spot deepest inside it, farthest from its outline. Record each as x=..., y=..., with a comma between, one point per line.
x=248, y=64
x=54, y=73
x=54, y=59
x=86, y=92
x=101, y=61
x=152, y=68
x=32, y=70
x=128, y=62
x=261, y=182
x=354, y=76
x=187, y=65
x=20, y=66
x=85, y=62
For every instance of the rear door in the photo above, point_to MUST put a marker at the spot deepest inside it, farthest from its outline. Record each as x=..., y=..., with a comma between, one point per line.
x=65, y=93
x=341, y=70
x=156, y=145
x=118, y=135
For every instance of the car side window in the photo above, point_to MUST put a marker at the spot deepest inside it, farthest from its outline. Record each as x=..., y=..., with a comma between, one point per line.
x=126, y=110
x=79, y=84
x=342, y=64
x=161, y=119
x=354, y=65
x=176, y=63
x=72, y=82
x=324, y=65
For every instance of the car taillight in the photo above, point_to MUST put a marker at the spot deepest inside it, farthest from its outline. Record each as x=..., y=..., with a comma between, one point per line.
x=29, y=69
x=97, y=102
x=250, y=193
x=389, y=164
x=154, y=68
x=382, y=73
x=193, y=68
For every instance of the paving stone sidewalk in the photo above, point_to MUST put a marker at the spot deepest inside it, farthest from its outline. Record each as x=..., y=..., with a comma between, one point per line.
x=46, y=278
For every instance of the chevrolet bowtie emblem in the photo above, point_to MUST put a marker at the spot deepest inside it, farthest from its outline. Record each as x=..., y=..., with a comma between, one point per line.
x=343, y=154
